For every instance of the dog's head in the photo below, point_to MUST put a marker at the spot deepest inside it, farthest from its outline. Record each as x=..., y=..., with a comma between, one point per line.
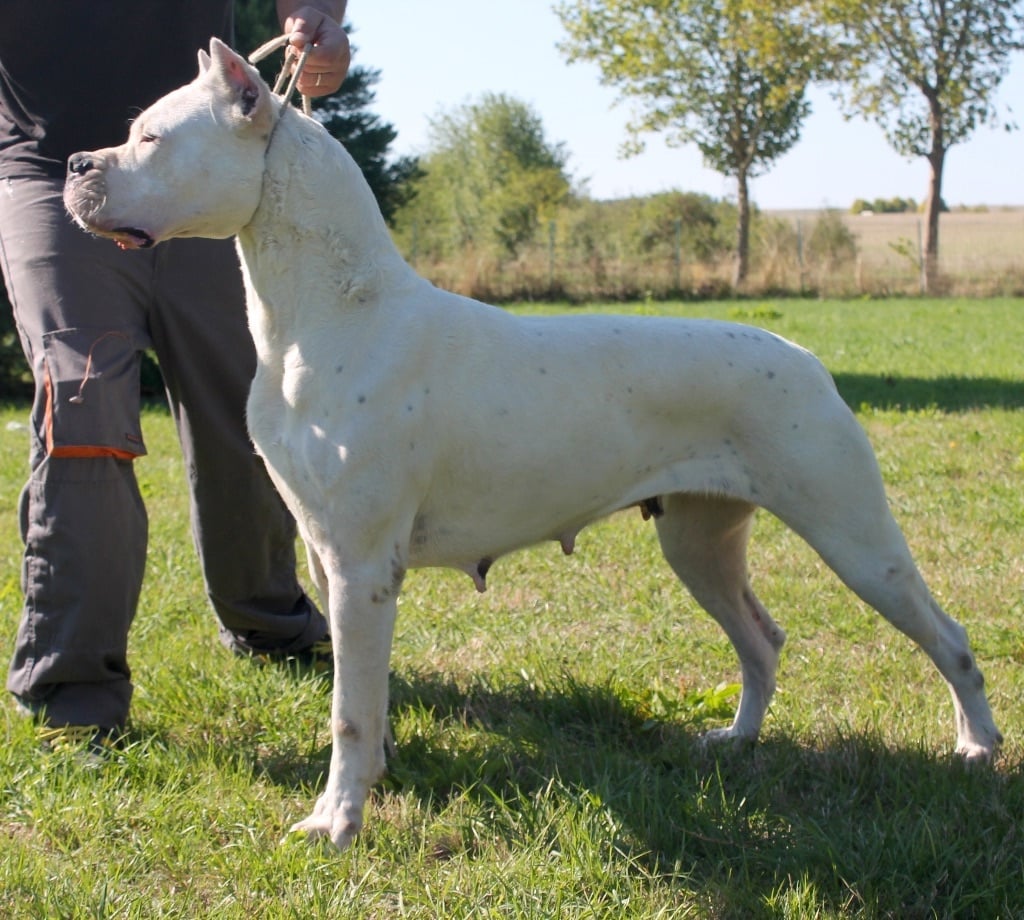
x=192, y=165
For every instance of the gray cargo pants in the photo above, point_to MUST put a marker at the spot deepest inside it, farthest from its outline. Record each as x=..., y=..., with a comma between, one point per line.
x=85, y=311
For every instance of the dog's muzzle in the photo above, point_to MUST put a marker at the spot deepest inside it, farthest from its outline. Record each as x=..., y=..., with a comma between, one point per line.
x=84, y=203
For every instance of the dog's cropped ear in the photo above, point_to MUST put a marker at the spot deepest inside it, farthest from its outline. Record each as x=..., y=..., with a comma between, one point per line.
x=249, y=95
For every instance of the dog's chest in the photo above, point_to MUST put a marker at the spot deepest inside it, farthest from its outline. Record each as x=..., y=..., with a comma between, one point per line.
x=327, y=423
x=299, y=383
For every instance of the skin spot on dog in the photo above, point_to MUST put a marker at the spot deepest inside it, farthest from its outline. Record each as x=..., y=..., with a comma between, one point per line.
x=347, y=730
x=397, y=573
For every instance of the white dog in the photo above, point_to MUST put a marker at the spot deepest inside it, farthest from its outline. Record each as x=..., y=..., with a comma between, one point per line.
x=406, y=426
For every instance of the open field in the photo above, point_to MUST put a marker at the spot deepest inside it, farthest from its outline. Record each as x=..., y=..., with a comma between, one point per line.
x=548, y=762
x=981, y=254
x=976, y=248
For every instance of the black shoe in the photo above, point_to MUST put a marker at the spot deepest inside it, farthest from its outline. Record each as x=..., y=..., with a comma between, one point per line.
x=92, y=745
x=318, y=657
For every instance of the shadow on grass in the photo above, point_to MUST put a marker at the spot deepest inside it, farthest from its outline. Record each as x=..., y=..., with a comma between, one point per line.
x=845, y=822
x=948, y=394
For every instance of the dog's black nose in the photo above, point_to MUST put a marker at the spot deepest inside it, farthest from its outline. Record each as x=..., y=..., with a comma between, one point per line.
x=79, y=164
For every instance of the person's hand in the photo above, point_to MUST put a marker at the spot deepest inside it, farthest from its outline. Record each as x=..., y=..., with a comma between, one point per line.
x=329, y=60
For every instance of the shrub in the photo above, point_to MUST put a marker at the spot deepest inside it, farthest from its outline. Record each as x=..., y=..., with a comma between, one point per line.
x=831, y=242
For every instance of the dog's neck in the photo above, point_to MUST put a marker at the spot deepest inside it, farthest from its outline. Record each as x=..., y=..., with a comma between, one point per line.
x=318, y=226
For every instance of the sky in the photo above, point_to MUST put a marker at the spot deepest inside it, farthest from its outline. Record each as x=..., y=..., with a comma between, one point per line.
x=436, y=55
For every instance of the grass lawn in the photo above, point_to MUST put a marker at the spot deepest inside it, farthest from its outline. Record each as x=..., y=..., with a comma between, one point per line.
x=548, y=764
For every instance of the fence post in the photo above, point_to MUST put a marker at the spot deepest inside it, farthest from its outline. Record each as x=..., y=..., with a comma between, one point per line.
x=920, y=260
x=679, y=255
x=551, y=256
x=800, y=251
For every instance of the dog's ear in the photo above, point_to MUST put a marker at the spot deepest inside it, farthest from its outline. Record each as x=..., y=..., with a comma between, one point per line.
x=204, y=62
x=249, y=95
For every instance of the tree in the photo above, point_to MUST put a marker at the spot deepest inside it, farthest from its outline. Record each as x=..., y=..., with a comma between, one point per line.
x=927, y=72
x=727, y=75
x=490, y=176
x=345, y=114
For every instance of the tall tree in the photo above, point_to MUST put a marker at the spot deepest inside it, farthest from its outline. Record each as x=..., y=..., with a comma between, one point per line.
x=345, y=114
x=927, y=71
x=727, y=75
x=491, y=176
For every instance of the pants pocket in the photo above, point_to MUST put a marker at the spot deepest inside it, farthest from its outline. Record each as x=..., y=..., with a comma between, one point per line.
x=92, y=394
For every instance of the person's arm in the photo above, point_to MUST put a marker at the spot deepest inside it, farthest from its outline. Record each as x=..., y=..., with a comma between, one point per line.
x=318, y=22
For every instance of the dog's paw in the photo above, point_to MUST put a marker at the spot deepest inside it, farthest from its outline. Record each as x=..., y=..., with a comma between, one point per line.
x=974, y=754
x=337, y=826
x=720, y=737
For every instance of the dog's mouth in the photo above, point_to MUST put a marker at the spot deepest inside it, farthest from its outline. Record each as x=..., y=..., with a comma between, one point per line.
x=132, y=238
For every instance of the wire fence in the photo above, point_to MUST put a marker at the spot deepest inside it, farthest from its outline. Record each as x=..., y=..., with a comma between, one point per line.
x=981, y=255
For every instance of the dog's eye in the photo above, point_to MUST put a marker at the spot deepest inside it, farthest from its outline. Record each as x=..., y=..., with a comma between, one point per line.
x=148, y=139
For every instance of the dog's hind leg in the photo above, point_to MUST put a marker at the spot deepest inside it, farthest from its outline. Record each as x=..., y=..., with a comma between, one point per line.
x=704, y=540
x=842, y=512
x=877, y=565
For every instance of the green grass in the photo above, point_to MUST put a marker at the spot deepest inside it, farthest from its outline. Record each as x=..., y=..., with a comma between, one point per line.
x=548, y=764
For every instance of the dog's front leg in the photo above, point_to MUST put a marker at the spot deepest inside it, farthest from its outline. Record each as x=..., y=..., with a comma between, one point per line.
x=319, y=576
x=362, y=613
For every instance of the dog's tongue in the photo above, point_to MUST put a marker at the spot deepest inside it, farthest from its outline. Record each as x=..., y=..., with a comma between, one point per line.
x=132, y=238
